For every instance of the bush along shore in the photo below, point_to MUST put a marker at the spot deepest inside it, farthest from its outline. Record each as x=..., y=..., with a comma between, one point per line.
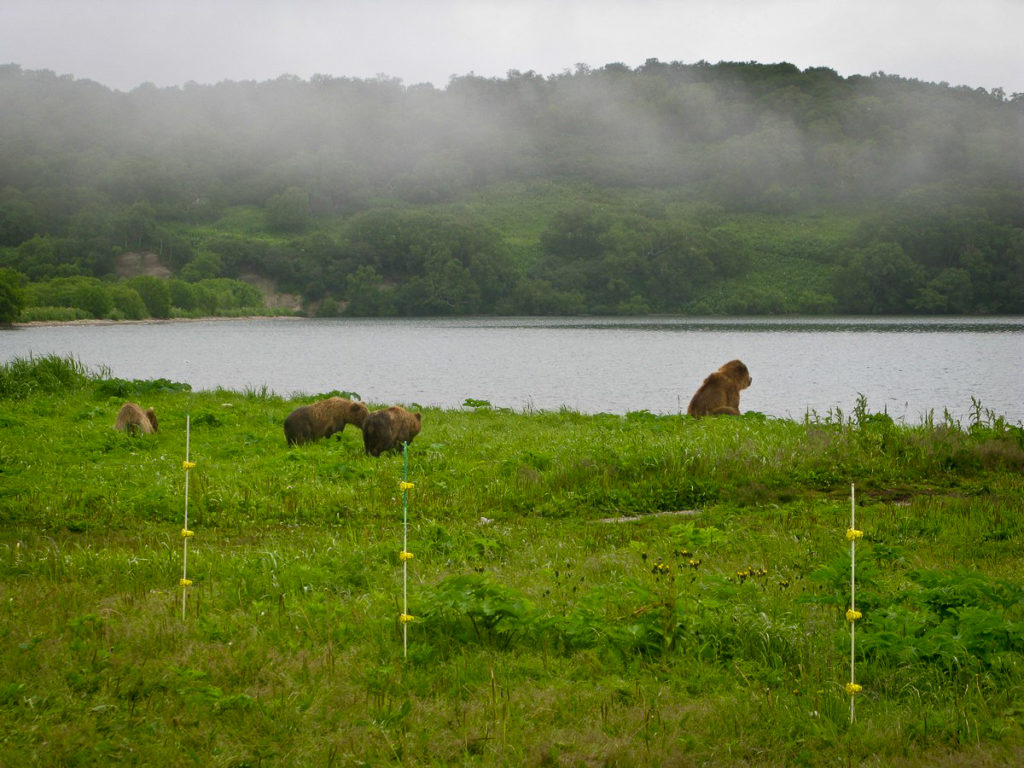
x=585, y=590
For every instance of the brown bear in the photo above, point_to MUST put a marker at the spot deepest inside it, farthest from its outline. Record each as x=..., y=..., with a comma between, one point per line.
x=720, y=392
x=322, y=419
x=133, y=420
x=388, y=428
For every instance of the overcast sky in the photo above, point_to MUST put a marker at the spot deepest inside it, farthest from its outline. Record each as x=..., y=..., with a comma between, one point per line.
x=123, y=43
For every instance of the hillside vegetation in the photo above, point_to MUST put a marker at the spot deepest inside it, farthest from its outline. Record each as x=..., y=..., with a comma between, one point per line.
x=671, y=188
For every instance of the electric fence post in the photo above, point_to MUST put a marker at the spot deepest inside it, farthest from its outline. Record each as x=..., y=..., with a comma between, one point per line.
x=187, y=465
x=852, y=534
x=186, y=534
x=405, y=556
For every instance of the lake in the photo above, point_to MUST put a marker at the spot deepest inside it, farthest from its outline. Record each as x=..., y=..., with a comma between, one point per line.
x=906, y=367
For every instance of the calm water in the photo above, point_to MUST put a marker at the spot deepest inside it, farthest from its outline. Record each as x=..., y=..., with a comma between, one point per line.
x=585, y=364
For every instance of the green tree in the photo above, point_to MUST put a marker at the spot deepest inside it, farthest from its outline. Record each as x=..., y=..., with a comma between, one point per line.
x=89, y=294
x=289, y=211
x=12, y=296
x=879, y=279
x=206, y=299
x=445, y=287
x=204, y=266
x=92, y=295
x=376, y=239
x=92, y=238
x=127, y=302
x=365, y=295
x=36, y=258
x=18, y=221
x=182, y=295
x=138, y=224
x=233, y=294
x=328, y=308
x=535, y=296
x=949, y=292
x=576, y=233
x=155, y=294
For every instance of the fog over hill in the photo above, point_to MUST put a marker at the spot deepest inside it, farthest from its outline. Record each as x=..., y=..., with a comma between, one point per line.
x=92, y=170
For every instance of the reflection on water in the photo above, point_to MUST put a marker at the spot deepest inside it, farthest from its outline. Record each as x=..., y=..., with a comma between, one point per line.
x=906, y=367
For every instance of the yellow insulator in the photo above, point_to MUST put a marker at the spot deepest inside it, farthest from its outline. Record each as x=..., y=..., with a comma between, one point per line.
x=405, y=555
x=185, y=583
x=852, y=615
x=187, y=534
x=405, y=618
x=188, y=465
x=405, y=486
x=853, y=688
x=853, y=534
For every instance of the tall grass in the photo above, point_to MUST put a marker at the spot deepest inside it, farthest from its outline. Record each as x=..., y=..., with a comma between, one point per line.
x=558, y=621
x=23, y=377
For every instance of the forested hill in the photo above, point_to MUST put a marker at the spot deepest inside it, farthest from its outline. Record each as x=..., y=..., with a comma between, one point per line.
x=670, y=188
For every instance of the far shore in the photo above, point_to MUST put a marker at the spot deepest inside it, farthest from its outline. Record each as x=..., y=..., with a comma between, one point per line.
x=149, y=320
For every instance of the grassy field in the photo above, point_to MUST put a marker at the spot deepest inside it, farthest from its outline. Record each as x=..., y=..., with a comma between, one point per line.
x=586, y=590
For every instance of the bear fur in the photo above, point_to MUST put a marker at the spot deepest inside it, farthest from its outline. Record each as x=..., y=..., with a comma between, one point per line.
x=388, y=428
x=133, y=420
x=322, y=419
x=720, y=392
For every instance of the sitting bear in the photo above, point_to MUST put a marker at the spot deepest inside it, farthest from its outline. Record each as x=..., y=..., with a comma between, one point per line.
x=720, y=392
x=322, y=419
x=133, y=420
x=388, y=428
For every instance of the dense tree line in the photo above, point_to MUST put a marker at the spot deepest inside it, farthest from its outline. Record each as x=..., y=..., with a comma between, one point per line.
x=611, y=190
x=137, y=298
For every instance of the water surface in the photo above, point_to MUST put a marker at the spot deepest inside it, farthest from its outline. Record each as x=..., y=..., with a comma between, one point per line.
x=615, y=365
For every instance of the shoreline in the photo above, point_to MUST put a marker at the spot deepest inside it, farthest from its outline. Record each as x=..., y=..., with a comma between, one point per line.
x=148, y=321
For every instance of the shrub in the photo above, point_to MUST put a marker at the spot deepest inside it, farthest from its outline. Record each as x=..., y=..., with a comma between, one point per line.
x=52, y=314
x=155, y=294
x=12, y=296
x=126, y=388
x=88, y=294
x=128, y=302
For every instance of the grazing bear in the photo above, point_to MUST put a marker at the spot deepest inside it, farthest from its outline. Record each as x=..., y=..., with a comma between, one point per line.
x=720, y=392
x=322, y=419
x=388, y=428
x=133, y=420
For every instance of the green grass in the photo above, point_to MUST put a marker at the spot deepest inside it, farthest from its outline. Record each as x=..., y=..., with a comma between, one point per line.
x=552, y=628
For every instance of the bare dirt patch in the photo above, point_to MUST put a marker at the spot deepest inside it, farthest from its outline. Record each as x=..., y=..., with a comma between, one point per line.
x=272, y=298
x=133, y=264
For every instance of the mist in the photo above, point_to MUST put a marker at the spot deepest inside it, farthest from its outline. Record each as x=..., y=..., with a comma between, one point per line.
x=728, y=130
x=618, y=146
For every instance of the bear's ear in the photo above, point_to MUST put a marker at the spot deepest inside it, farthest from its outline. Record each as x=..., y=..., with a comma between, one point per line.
x=418, y=417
